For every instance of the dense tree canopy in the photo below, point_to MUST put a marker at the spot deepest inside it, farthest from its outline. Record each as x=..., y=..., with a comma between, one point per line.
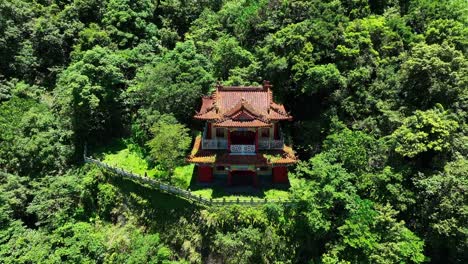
x=378, y=91
x=169, y=144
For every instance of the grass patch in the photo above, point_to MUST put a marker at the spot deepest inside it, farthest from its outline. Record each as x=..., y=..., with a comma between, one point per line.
x=205, y=193
x=276, y=194
x=183, y=176
x=128, y=156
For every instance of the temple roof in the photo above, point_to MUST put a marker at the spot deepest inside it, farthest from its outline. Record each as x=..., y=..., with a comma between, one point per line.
x=242, y=106
x=234, y=123
x=283, y=156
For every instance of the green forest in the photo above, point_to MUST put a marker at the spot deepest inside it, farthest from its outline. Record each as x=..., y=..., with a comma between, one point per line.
x=379, y=94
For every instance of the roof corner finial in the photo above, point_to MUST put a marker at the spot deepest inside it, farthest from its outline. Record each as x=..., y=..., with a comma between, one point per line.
x=266, y=84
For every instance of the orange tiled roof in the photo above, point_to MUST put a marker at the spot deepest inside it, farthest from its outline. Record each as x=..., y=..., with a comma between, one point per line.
x=198, y=155
x=227, y=102
x=248, y=123
x=283, y=156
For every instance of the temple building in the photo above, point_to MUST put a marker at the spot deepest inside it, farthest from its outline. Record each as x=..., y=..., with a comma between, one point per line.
x=242, y=143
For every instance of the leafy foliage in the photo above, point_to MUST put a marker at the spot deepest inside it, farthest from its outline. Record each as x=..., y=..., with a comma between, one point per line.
x=169, y=144
x=374, y=236
x=86, y=89
x=443, y=202
x=174, y=83
x=378, y=94
x=428, y=130
x=32, y=139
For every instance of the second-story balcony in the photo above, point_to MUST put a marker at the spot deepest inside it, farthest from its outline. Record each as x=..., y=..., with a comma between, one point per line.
x=216, y=143
x=213, y=143
x=267, y=143
x=241, y=142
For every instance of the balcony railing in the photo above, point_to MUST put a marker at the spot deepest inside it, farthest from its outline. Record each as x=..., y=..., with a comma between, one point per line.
x=243, y=149
x=216, y=143
x=270, y=143
x=221, y=143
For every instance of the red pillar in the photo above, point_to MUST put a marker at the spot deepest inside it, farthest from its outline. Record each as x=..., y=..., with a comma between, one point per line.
x=280, y=174
x=256, y=140
x=276, y=131
x=229, y=140
x=205, y=174
x=208, y=130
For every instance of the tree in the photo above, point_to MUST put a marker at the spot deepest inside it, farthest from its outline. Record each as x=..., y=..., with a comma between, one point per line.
x=369, y=45
x=82, y=242
x=437, y=71
x=356, y=150
x=24, y=245
x=78, y=242
x=356, y=8
x=32, y=138
x=447, y=30
x=394, y=170
x=14, y=195
x=330, y=201
x=57, y=199
x=92, y=36
x=181, y=14
x=422, y=12
x=373, y=235
x=14, y=19
x=87, y=96
x=169, y=145
x=238, y=247
x=442, y=209
x=247, y=235
x=130, y=244
x=282, y=49
x=130, y=22
x=430, y=130
x=174, y=83
x=323, y=190
x=229, y=58
x=320, y=78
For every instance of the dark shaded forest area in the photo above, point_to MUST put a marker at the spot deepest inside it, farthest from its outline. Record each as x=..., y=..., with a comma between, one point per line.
x=378, y=91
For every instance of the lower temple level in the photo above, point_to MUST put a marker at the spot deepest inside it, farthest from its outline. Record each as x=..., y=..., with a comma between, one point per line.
x=238, y=175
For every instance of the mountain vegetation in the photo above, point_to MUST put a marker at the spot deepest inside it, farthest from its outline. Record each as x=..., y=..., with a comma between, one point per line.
x=378, y=91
